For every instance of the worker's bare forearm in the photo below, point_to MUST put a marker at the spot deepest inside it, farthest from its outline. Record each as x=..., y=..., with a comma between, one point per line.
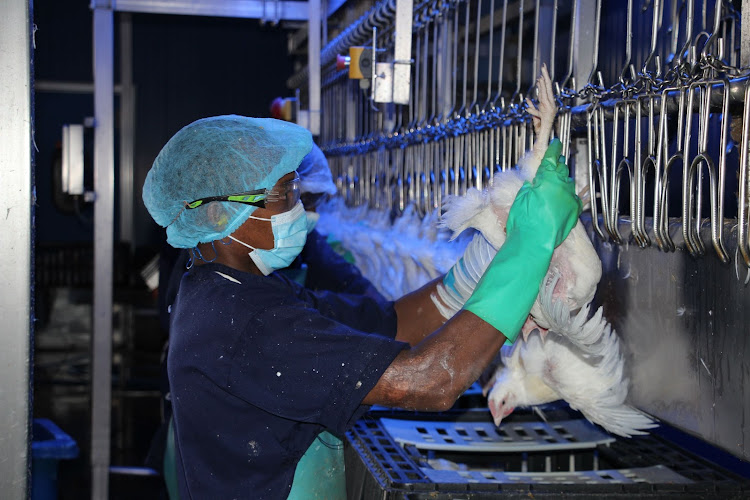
x=417, y=315
x=434, y=373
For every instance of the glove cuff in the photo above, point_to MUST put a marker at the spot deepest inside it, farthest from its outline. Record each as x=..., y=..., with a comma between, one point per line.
x=461, y=280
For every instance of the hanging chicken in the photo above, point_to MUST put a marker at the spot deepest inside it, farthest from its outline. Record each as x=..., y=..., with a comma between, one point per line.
x=580, y=361
x=575, y=261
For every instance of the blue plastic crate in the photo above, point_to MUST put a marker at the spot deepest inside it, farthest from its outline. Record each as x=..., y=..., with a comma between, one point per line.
x=49, y=445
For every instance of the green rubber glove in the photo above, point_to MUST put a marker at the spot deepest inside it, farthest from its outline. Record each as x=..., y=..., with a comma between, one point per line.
x=541, y=217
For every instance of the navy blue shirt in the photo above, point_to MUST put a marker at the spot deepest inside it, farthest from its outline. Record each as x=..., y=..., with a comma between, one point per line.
x=258, y=366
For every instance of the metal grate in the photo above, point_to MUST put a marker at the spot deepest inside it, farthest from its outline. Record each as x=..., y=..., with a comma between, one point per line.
x=485, y=437
x=380, y=466
x=390, y=457
x=655, y=474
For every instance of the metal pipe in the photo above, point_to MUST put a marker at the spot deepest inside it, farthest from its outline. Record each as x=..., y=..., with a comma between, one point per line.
x=744, y=188
x=628, y=46
x=489, y=63
x=127, y=130
x=502, y=55
x=571, y=45
x=17, y=206
x=463, y=109
x=520, y=53
x=655, y=25
x=476, y=58
x=101, y=372
x=535, y=49
x=314, y=63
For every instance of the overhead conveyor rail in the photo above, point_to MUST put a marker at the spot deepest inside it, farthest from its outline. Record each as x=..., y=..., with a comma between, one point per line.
x=474, y=63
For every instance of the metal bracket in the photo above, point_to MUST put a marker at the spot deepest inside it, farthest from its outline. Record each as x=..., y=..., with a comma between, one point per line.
x=382, y=90
x=402, y=51
x=391, y=80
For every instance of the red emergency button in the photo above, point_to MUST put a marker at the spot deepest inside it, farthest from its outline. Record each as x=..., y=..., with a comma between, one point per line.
x=342, y=62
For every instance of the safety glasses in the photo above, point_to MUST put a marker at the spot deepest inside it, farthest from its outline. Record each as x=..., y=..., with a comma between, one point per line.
x=288, y=194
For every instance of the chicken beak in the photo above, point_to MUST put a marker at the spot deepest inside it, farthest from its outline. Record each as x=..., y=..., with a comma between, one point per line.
x=498, y=419
x=498, y=416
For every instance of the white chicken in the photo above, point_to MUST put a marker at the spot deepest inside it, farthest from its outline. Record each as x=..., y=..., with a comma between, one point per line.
x=575, y=261
x=581, y=361
x=540, y=371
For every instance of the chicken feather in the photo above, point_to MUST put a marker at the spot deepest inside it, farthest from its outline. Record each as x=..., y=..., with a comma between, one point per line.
x=537, y=372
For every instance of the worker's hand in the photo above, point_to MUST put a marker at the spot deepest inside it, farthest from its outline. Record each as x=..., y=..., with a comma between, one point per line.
x=548, y=205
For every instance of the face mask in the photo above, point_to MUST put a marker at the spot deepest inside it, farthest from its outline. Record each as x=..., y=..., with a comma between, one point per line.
x=312, y=220
x=289, y=237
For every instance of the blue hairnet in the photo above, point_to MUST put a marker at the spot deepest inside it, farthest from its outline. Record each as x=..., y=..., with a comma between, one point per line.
x=314, y=173
x=218, y=156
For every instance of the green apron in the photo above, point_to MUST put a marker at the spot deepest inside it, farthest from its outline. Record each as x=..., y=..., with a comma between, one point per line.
x=170, y=468
x=319, y=474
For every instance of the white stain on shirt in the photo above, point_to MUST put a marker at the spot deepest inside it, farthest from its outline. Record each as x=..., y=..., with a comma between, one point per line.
x=253, y=448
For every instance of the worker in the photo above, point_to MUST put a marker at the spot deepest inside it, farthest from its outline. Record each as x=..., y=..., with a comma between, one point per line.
x=258, y=365
x=318, y=267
